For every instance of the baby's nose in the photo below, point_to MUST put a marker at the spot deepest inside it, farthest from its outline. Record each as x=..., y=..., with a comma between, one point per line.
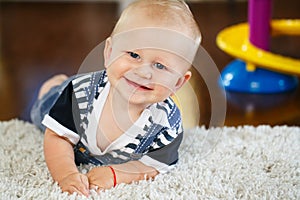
x=144, y=71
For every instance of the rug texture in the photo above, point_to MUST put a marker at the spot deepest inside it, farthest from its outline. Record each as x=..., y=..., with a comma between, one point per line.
x=217, y=163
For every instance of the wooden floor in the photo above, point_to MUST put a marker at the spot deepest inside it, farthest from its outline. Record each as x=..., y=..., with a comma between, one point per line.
x=39, y=40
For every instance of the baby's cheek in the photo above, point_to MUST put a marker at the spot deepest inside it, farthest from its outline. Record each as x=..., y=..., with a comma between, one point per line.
x=116, y=71
x=168, y=83
x=163, y=91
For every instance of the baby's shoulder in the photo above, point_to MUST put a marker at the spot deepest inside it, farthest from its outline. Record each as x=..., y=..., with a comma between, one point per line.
x=91, y=77
x=168, y=112
x=168, y=105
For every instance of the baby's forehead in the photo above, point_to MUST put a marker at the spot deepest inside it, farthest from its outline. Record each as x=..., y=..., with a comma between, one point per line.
x=157, y=38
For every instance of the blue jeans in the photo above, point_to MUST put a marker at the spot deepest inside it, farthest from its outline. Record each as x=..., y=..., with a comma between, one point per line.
x=41, y=107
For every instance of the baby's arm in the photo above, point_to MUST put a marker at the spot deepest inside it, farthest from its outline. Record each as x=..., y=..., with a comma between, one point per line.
x=103, y=177
x=59, y=157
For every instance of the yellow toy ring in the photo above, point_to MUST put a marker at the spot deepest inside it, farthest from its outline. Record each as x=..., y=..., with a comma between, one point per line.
x=235, y=41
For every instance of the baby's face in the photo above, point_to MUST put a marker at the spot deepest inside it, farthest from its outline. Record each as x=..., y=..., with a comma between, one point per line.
x=148, y=59
x=146, y=76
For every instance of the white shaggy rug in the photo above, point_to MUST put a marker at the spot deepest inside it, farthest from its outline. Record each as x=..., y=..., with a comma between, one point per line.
x=221, y=163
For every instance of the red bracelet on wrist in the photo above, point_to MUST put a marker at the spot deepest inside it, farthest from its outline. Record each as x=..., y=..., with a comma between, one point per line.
x=114, y=173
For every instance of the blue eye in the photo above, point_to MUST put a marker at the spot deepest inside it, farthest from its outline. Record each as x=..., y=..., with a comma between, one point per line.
x=159, y=66
x=134, y=55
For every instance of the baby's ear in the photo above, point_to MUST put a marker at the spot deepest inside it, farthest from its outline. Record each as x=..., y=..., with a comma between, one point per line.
x=107, y=51
x=181, y=81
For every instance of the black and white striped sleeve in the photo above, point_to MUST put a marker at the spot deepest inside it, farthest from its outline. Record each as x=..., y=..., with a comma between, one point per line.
x=63, y=116
x=164, y=159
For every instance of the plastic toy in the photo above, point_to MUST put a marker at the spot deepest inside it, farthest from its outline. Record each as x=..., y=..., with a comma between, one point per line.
x=250, y=44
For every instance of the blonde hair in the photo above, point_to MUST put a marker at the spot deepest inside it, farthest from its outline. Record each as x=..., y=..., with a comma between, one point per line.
x=176, y=11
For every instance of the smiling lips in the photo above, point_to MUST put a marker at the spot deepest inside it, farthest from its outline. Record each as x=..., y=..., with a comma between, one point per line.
x=138, y=86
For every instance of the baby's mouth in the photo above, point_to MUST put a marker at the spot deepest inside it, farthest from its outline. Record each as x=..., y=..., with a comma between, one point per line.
x=137, y=85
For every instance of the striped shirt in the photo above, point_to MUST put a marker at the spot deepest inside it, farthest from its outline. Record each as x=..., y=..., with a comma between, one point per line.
x=153, y=139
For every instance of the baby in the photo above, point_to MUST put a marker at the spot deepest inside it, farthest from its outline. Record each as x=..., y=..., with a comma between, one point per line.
x=121, y=119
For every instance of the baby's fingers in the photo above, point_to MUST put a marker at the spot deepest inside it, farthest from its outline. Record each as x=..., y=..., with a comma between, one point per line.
x=72, y=189
x=96, y=188
x=93, y=187
x=84, y=187
x=75, y=183
x=80, y=188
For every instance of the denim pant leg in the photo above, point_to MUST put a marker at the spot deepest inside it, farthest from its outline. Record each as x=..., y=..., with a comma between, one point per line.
x=42, y=106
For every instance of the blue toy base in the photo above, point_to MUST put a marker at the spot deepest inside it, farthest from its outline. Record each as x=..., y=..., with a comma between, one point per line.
x=236, y=78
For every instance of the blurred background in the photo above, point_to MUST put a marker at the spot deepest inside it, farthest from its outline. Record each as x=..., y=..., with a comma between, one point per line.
x=39, y=39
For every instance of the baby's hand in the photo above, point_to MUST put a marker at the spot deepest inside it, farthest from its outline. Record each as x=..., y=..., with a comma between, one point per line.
x=101, y=178
x=75, y=182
